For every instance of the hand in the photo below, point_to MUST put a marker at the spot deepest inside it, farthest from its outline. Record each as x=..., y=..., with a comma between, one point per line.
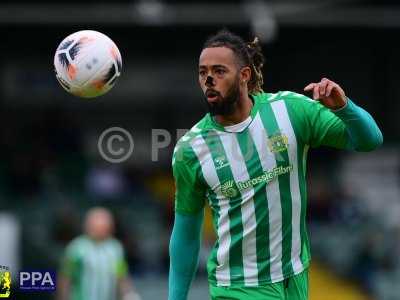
x=131, y=296
x=329, y=93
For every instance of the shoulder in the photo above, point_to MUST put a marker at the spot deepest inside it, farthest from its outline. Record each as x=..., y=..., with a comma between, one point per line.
x=294, y=101
x=78, y=242
x=116, y=245
x=287, y=96
x=184, y=147
x=77, y=246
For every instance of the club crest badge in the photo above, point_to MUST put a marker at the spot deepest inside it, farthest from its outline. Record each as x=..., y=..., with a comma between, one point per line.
x=278, y=143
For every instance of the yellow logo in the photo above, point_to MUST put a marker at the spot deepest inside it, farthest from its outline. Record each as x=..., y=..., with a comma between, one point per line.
x=231, y=188
x=278, y=143
x=5, y=282
x=228, y=189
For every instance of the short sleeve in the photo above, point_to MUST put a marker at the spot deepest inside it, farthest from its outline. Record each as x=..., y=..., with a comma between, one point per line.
x=316, y=124
x=70, y=262
x=189, y=189
x=121, y=266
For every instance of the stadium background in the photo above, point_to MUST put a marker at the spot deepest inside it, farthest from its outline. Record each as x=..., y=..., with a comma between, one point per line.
x=51, y=171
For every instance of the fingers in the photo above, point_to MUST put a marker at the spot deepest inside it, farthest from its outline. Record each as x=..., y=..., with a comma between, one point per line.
x=316, y=92
x=309, y=87
x=329, y=89
x=313, y=87
x=321, y=89
x=322, y=86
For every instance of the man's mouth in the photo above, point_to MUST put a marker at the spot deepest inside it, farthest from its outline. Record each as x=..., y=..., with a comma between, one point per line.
x=212, y=95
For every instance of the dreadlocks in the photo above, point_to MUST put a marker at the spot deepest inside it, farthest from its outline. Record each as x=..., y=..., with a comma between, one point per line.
x=248, y=54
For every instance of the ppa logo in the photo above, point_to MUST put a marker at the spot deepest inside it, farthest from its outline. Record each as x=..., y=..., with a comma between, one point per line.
x=39, y=281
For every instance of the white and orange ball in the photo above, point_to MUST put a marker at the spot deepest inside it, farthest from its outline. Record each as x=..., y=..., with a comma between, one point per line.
x=87, y=63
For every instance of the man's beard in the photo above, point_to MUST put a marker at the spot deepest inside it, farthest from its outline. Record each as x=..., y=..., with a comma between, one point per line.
x=226, y=105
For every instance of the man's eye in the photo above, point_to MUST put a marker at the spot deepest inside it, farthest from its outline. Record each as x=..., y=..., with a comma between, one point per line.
x=202, y=73
x=220, y=71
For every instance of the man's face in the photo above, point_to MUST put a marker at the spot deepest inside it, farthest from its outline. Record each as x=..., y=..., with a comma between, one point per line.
x=99, y=224
x=219, y=79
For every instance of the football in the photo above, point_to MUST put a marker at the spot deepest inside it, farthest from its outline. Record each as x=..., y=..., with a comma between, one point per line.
x=87, y=63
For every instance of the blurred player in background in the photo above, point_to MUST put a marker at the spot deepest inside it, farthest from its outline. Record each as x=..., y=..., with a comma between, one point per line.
x=94, y=267
x=247, y=158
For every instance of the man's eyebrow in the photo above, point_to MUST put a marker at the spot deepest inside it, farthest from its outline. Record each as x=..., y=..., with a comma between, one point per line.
x=213, y=66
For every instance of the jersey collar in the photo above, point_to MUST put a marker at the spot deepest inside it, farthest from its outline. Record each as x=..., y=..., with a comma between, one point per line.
x=253, y=111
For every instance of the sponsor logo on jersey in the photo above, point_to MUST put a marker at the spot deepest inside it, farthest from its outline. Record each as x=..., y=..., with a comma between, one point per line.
x=277, y=143
x=5, y=282
x=231, y=188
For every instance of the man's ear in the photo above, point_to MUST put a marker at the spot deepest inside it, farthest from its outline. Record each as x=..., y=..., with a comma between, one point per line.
x=245, y=74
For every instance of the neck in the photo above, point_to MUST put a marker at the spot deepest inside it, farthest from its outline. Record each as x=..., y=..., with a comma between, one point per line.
x=241, y=112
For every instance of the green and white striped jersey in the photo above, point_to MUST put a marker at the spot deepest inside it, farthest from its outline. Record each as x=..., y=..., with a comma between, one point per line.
x=254, y=183
x=94, y=268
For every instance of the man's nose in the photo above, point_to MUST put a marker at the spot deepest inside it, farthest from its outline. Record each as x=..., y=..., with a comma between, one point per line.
x=209, y=81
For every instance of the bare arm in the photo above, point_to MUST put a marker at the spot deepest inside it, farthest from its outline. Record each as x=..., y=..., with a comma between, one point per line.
x=63, y=287
x=127, y=290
